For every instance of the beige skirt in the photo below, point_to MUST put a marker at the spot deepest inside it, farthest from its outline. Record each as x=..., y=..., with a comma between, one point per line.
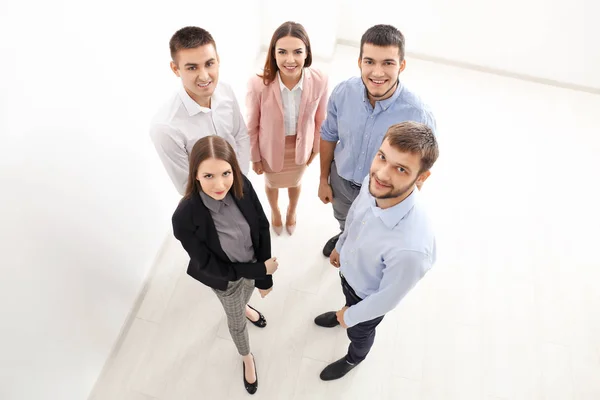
x=291, y=174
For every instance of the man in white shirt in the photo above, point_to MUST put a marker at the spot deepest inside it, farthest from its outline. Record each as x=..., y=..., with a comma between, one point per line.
x=202, y=107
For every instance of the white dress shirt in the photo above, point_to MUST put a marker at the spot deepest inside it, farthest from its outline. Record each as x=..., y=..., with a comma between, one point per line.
x=291, y=104
x=181, y=122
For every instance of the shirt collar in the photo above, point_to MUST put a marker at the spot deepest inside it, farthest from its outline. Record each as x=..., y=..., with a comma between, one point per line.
x=282, y=87
x=393, y=215
x=215, y=205
x=191, y=106
x=384, y=104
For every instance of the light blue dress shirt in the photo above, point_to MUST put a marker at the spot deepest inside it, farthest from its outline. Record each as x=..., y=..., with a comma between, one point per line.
x=360, y=128
x=384, y=252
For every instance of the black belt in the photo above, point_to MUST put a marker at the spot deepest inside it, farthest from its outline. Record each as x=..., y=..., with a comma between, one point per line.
x=345, y=284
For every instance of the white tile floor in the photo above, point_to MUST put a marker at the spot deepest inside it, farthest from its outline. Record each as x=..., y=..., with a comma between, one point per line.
x=511, y=310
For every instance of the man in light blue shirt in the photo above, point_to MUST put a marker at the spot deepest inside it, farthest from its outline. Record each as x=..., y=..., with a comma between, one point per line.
x=388, y=244
x=359, y=112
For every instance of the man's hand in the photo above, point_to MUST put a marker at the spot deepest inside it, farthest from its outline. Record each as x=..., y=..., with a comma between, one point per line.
x=340, y=317
x=257, y=167
x=325, y=193
x=334, y=258
x=311, y=158
x=265, y=292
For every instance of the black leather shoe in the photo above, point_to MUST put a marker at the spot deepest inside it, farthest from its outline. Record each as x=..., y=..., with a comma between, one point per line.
x=250, y=387
x=261, y=322
x=330, y=245
x=327, y=320
x=337, y=369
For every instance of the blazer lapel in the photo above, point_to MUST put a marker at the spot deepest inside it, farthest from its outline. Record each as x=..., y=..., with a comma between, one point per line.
x=247, y=209
x=306, y=89
x=203, y=218
x=277, y=93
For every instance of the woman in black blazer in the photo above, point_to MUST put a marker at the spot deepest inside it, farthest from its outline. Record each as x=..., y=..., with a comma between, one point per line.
x=221, y=224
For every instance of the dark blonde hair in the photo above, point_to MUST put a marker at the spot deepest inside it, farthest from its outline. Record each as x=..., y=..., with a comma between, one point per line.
x=292, y=29
x=213, y=147
x=414, y=137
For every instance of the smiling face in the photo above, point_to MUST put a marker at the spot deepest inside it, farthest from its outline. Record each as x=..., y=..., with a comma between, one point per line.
x=380, y=68
x=393, y=175
x=215, y=177
x=290, y=54
x=198, y=69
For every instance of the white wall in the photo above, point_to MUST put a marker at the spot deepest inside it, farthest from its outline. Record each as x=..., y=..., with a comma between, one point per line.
x=85, y=204
x=553, y=39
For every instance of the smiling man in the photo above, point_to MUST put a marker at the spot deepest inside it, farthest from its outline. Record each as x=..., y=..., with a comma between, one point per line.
x=388, y=244
x=203, y=106
x=359, y=112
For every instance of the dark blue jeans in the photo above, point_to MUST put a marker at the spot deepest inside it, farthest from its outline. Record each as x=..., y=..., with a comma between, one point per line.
x=362, y=336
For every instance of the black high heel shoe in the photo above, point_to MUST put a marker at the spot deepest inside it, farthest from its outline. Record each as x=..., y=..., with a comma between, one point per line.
x=261, y=322
x=250, y=387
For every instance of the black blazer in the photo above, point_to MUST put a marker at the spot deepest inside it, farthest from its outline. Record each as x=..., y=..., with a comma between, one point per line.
x=193, y=226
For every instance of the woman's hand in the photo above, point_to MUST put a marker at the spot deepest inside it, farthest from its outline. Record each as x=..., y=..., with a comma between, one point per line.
x=265, y=292
x=257, y=167
x=271, y=265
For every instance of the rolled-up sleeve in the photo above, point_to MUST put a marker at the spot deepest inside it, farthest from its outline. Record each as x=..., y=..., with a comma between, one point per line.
x=329, y=128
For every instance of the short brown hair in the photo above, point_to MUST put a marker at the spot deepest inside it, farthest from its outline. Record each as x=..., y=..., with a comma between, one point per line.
x=189, y=37
x=383, y=36
x=414, y=137
x=213, y=147
x=292, y=29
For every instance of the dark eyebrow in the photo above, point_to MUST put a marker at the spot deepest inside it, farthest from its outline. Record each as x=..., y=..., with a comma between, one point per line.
x=386, y=60
x=212, y=173
x=281, y=48
x=195, y=65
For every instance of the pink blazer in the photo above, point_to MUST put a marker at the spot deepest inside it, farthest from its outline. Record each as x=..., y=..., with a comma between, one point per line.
x=266, y=125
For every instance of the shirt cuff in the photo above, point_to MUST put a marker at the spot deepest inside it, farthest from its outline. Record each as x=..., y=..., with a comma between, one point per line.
x=349, y=318
x=328, y=137
x=338, y=247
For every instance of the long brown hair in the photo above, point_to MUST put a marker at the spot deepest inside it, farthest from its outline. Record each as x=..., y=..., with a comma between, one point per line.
x=213, y=147
x=292, y=29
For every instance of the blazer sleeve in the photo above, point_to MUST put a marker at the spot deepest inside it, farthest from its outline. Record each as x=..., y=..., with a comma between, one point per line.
x=320, y=115
x=253, y=119
x=264, y=238
x=184, y=230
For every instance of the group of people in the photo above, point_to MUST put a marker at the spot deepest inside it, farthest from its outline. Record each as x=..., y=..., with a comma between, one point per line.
x=376, y=141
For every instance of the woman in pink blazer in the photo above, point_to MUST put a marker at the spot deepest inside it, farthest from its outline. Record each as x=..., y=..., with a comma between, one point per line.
x=286, y=106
